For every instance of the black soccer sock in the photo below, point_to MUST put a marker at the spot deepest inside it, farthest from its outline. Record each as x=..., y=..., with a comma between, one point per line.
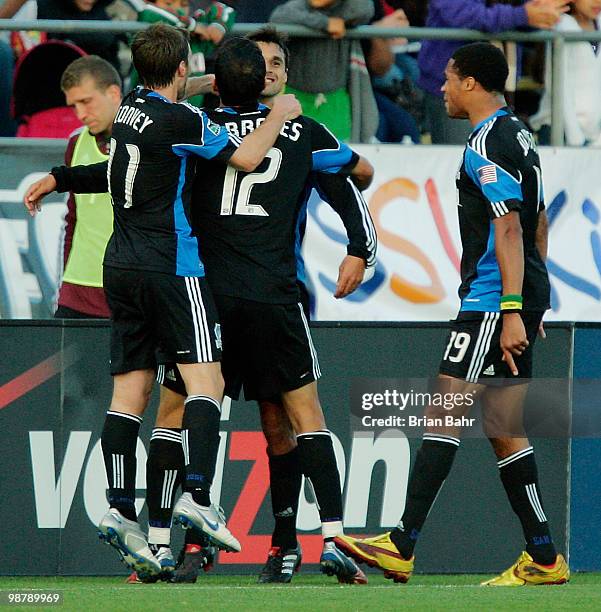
x=318, y=464
x=520, y=478
x=200, y=441
x=285, y=480
x=119, y=440
x=432, y=465
x=164, y=470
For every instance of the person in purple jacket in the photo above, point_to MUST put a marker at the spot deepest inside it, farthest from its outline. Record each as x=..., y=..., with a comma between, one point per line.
x=481, y=15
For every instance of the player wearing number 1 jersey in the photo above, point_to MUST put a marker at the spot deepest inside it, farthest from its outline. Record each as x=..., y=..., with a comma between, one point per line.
x=504, y=293
x=154, y=282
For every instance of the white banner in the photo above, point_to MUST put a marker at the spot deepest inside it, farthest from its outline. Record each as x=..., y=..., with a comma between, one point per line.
x=413, y=203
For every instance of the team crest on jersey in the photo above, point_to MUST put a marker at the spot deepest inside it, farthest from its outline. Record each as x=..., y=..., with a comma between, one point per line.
x=218, y=335
x=213, y=127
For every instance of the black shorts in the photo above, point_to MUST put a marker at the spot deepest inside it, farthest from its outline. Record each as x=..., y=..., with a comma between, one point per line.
x=154, y=313
x=267, y=350
x=473, y=350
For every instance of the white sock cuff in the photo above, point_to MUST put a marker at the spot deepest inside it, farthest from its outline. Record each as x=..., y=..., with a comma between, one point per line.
x=331, y=529
x=131, y=417
x=159, y=535
x=319, y=432
x=203, y=398
x=171, y=435
x=515, y=457
x=442, y=438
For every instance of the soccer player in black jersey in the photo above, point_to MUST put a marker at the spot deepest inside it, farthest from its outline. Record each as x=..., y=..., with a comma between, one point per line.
x=504, y=293
x=154, y=281
x=285, y=475
x=249, y=228
x=260, y=264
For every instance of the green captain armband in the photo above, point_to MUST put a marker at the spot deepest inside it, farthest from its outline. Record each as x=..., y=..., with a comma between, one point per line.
x=511, y=303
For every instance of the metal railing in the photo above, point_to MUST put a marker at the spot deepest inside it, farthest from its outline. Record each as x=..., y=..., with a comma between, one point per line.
x=557, y=40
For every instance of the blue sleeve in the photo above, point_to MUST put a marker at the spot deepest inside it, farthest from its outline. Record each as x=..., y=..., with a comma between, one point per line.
x=329, y=154
x=498, y=184
x=211, y=141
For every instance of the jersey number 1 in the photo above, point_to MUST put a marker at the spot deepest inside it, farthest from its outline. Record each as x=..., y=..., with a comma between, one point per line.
x=245, y=186
x=130, y=173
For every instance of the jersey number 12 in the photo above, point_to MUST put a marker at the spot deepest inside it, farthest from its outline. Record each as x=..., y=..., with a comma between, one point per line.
x=241, y=204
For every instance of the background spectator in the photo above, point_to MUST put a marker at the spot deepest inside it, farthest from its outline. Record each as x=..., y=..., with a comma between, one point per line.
x=103, y=44
x=207, y=26
x=396, y=124
x=320, y=69
x=251, y=11
x=477, y=15
x=582, y=81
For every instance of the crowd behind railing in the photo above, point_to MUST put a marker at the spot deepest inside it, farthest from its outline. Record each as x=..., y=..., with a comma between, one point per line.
x=368, y=89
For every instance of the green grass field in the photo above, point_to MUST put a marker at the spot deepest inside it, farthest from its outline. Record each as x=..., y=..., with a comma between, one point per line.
x=312, y=592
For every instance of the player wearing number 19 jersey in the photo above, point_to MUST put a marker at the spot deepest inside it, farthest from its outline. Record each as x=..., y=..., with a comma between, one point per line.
x=504, y=292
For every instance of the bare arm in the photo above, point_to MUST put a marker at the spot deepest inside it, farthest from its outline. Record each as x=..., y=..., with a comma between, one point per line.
x=199, y=85
x=362, y=174
x=254, y=147
x=509, y=250
x=541, y=238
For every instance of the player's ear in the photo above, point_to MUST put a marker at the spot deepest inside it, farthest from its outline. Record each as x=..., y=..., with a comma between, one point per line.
x=469, y=83
x=114, y=92
x=182, y=69
x=215, y=88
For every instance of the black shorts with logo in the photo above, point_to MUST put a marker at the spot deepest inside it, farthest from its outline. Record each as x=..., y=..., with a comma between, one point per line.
x=473, y=350
x=153, y=312
x=267, y=350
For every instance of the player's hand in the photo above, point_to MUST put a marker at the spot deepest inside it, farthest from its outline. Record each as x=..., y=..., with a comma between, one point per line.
x=35, y=193
x=336, y=27
x=286, y=106
x=513, y=339
x=350, y=275
x=541, y=331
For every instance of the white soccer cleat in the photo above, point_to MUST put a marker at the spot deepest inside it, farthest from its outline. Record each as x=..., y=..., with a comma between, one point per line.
x=210, y=520
x=127, y=537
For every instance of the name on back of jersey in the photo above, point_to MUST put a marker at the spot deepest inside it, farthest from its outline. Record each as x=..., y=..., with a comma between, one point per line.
x=134, y=117
x=290, y=129
x=527, y=142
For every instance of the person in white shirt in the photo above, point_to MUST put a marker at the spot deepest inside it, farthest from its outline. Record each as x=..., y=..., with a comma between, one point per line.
x=582, y=79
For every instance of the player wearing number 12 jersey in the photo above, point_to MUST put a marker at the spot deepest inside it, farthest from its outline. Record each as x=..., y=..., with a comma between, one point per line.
x=504, y=293
x=248, y=223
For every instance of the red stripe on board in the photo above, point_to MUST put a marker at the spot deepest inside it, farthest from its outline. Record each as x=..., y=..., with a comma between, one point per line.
x=30, y=379
x=441, y=226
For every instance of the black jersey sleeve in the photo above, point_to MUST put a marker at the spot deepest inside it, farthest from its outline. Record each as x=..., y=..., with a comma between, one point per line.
x=328, y=153
x=201, y=136
x=496, y=170
x=344, y=197
x=81, y=179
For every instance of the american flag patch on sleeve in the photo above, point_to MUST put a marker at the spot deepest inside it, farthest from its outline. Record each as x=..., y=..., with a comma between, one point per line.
x=487, y=174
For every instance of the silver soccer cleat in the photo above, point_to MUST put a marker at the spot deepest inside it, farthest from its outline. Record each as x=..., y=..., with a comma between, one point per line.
x=131, y=542
x=210, y=521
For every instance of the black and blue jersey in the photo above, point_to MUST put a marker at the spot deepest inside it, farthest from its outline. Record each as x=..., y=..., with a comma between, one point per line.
x=500, y=173
x=342, y=195
x=151, y=168
x=247, y=222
